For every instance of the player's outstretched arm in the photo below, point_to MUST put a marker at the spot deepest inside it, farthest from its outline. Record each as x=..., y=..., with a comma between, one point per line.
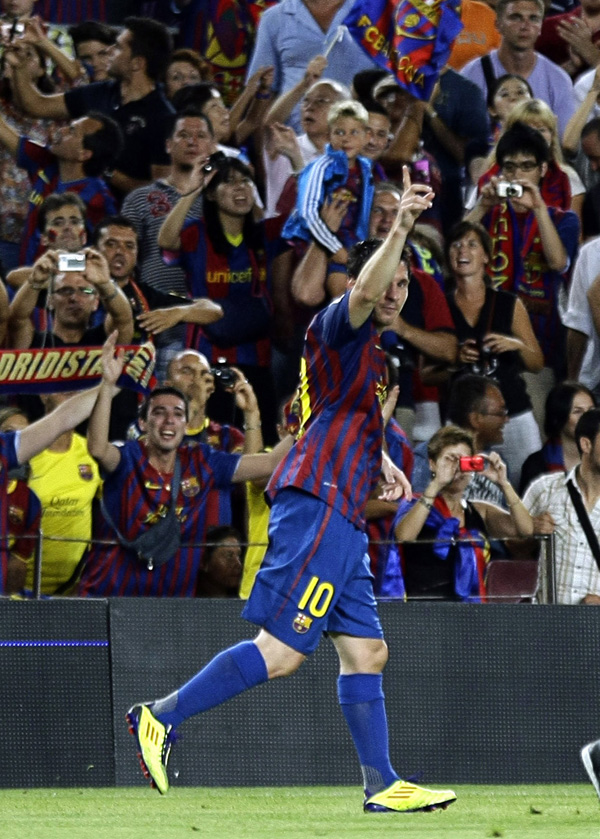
x=256, y=467
x=378, y=273
x=99, y=446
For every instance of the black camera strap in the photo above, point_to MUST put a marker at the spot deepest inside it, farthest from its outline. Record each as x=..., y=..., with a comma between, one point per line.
x=584, y=521
x=175, y=483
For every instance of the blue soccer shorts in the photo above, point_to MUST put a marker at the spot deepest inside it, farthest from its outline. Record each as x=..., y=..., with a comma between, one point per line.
x=315, y=576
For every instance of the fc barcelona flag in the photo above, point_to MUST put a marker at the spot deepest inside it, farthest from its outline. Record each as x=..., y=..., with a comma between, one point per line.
x=410, y=38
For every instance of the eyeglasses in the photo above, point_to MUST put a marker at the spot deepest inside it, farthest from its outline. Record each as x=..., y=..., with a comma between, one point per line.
x=510, y=168
x=67, y=290
x=60, y=221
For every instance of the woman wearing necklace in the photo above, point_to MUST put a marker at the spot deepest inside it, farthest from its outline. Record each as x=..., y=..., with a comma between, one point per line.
x=440, y=567
x=495, y=337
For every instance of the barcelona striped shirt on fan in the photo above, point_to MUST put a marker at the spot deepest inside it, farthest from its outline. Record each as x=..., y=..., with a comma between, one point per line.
x=42, y=167
x=8, y=460
x=235, y=280
x=135, y=494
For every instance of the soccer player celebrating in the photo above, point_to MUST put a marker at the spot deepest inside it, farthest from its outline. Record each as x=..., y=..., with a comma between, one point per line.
x=315, y=576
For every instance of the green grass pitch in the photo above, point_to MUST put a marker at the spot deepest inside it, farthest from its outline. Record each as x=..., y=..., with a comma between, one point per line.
x=482, y=812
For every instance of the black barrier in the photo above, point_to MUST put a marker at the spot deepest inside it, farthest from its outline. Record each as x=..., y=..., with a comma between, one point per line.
x=475, y=694
x=55, y=694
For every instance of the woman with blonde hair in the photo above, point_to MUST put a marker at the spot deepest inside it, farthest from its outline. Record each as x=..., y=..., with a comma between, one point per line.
x=561, y=186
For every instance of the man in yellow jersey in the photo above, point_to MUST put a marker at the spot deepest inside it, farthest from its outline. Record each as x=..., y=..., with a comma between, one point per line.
x=65, y=478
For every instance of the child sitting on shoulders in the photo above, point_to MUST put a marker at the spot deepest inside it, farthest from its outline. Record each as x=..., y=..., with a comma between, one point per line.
x=342, y=173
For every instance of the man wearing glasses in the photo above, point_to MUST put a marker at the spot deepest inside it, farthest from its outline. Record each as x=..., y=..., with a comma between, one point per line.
x=71, y=297
x=534, y=246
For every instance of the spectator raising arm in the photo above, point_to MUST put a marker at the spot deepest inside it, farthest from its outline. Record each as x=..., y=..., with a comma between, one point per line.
x=170, y=232
x=107, y=455
x=119, y=316
x=36, y=104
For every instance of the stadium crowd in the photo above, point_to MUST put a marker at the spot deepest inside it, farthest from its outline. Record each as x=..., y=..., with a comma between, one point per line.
x=200, y=183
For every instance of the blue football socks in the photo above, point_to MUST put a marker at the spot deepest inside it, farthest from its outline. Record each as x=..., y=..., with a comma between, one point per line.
x=363, y=704
x=229, y=673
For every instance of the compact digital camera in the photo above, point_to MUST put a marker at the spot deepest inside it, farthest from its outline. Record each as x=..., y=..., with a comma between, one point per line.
x=508, y=189
x=225, y=377
x=71, y=262
x=473, y=463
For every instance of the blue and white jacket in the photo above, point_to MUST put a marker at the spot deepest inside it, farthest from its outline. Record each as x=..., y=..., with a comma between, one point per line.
x=316, y=182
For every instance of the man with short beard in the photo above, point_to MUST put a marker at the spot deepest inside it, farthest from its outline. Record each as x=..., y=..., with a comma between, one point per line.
x=133, y=97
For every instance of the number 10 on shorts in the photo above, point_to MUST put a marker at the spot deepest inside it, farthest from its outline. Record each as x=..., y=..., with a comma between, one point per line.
x=317, y=596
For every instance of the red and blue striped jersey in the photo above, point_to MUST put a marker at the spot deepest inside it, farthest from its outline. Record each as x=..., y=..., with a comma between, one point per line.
x=232, y=279
x=71, y=11
x=8, y=460
x=42, y=168
x=337, y=455
x=135, y=494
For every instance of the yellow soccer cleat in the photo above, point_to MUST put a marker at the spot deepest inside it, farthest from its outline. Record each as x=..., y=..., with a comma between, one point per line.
x=404, y=797
x=154, y=743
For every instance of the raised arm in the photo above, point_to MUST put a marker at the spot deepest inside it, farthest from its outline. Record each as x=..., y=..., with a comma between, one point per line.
x=35, y=34
x=309, y=279
x=119, y=316
x=36, y=104
x=9, y=137
x=282, y=107
x=575, y=125
x=20, y=326
x=68, y=415
x=107, y=455
x=170, y=231
x=41, y=434
x=378, y=273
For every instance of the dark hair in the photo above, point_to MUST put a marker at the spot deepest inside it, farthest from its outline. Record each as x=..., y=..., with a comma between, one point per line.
x=189, y=112
x=587, y=426
x=493, y=89
x=522, y=139
x=215, y=536
x=591, y=127
x=467, y=394
x=112, y=221
x=162, y=390
x=93, y=30
x=559, y=404
x=364, y=81
x=461, y=229
x=361, y=252
x=252, y=233
x=373, y=107
x=152, y=41
x=106, y=144
x=449, y=435
x=56, y=201
x=194, y=95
